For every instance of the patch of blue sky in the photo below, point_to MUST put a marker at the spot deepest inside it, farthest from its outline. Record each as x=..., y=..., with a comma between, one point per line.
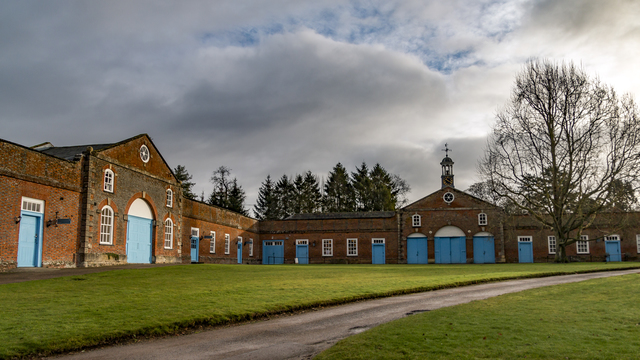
x=242, y=37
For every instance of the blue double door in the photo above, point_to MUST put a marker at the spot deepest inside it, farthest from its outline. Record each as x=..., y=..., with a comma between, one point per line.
x=139, y=232
x=450, y=250
x=484, y=251
x=30, y=240
x=273, y=252
x=417, y=250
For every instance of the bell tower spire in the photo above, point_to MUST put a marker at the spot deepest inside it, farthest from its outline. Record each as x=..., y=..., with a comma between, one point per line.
x=447, y=169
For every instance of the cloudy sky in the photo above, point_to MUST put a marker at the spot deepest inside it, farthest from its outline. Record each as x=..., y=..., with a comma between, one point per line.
x=284, y=86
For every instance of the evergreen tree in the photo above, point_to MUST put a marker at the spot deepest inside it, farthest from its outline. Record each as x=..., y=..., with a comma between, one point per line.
x=362, y=188
x=266, y=207
x=183, y=176
x=286, y=197
x=339, y=195
x=382, y=198
x=236, y=198
x=309, y=196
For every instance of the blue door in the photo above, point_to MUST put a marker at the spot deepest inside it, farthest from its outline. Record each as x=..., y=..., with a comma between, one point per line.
x=302, y=253
x=29, y=241
x=239, y=251
x=612, y=248
x=273, y=252
x=139, y=232
x=417, y=250
x=450, y=250
x=195, y=247
x=484, y=250
x=525, y=251
x=458, y=250
x=377, y=252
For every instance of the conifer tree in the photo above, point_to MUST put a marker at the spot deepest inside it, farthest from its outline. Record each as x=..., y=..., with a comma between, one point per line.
x=183, y=176
x=226, y=192
x=266, y=207
x=339, y=196
x=309, y=196
x=286, y=197
x=362, y=188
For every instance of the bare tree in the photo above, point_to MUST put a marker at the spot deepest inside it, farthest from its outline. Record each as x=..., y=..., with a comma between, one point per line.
x=561, y=147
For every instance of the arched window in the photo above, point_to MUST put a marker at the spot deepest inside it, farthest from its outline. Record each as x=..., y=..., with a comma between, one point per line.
x=106, y=226
x=169, y=198
x=168, y=234
x=108, y=180
x=416, y=220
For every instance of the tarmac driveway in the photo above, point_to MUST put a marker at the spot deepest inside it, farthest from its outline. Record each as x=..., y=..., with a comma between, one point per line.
x=303, y=335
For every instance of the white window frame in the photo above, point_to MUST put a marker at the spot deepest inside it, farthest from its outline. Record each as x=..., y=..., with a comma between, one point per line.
x=109, y=181
x=638, y=242
x=212, y=242
x=250, y=247
x=526, y=238
x=239, y=241
x=416, y=220
x=552, y=243
x=584, y=243
x=195, y=232
x=302, y=242
x=355, y=248
x=227, y=243
x=482, y=219
x=169, y=198
x=377, y=241
x=33, y=205
x=106, y=230
x=612, y=238
x=327, y=250
x=168, y=234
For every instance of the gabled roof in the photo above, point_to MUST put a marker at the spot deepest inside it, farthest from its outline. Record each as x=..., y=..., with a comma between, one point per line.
x=453, y=190
x=70, y=152
x=343, y=215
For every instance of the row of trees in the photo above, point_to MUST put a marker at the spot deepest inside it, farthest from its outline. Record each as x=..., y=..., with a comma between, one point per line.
x=363, y=190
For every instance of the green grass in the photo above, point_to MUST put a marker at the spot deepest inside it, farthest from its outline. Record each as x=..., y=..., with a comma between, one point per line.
x=57, y=315
x=595, y=319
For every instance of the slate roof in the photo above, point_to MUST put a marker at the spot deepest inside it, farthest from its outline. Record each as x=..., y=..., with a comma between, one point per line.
x=70, y=152
x=343, y=215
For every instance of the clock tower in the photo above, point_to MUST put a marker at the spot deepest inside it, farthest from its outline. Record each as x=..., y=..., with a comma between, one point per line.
x=447, y=169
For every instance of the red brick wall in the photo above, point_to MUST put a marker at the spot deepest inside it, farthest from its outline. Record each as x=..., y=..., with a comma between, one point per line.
x=339, y=230
x=209, y=218
x=28, y=173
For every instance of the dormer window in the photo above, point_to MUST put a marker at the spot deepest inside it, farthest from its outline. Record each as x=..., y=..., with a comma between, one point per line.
x=482, y=219
x=169, y=198
x=416, y=220
x=108, y=180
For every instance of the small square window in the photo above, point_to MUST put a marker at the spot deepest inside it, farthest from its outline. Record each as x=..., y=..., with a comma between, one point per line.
x=482, y=219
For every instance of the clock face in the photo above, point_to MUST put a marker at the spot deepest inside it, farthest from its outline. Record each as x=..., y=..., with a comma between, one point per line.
x=448, y=197
x=144, y=153
x=448, y=181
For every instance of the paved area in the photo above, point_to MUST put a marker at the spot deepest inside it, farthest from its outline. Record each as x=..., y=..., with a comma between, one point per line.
x=304, y=335
x=28, y=274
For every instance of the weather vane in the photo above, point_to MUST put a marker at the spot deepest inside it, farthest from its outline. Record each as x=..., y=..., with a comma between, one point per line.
x=446, y=149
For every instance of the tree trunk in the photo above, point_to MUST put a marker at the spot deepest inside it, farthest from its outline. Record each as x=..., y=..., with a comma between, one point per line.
x=561, y=254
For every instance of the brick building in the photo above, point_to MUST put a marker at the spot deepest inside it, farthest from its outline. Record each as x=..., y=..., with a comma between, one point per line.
x=107, y=204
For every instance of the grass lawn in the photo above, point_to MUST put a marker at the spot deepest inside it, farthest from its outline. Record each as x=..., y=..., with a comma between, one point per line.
x=595, y=319
x=56, y=315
